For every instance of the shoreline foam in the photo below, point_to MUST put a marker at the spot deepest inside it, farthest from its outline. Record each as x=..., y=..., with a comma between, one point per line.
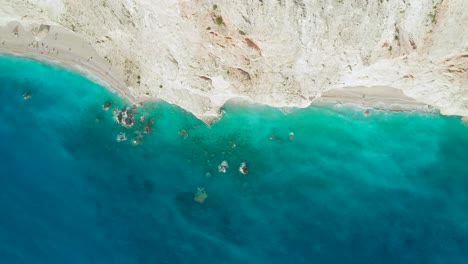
x=67, y=49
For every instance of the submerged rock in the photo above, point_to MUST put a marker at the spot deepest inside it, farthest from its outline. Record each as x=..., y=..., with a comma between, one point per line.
x=128, y=122
x=232, y=144
x=106, y=106
x=200, y=195
x=137, y=140
x=148, y=128
x=121, y=137
x=366, y=113
x=183, y=132
x=243, y=168
x=223, y=166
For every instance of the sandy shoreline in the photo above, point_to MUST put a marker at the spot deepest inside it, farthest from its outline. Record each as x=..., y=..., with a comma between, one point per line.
x=383, y=98
x=57, y=45
x=53, y=44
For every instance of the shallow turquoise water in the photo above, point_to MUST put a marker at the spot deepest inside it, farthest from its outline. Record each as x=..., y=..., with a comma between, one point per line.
x=387, y=188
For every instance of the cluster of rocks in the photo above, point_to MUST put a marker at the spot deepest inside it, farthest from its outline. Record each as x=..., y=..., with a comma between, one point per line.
x=224, y=166
x=201, y=195
x=124, y=117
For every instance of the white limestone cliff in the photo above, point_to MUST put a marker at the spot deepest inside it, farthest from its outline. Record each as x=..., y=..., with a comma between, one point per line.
x=198, y=53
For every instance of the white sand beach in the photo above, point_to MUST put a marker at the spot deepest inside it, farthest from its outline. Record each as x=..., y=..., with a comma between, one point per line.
x=54, y=44
x=200, y=54
x=385, y=98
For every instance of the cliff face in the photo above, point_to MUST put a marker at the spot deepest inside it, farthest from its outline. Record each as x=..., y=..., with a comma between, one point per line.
x=198, y=54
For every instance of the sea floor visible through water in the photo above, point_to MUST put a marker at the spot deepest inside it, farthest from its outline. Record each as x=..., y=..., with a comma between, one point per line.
x=324, y=184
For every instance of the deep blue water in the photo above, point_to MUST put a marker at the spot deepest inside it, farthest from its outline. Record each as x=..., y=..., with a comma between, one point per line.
x=387, y=188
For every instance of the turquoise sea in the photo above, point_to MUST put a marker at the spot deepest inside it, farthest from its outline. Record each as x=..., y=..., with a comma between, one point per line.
x=341, y=188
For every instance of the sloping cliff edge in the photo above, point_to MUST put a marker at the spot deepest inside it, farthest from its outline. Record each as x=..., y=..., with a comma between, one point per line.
x=198, y=54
